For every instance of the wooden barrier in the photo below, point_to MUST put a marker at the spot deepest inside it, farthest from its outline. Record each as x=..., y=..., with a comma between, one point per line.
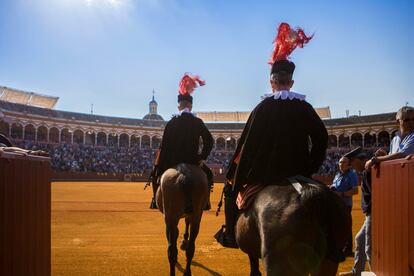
x=393, y=218
x=25, y=199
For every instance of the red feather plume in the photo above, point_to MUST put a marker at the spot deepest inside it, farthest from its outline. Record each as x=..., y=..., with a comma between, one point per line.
x=286, y=42
x=189, y=83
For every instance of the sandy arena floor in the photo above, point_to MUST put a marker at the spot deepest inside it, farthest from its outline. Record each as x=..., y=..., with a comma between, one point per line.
x=101, y=228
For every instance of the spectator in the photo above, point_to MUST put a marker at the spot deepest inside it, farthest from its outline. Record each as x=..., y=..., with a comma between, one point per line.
x=345, y=185
x=363, y=238
x=403, y=142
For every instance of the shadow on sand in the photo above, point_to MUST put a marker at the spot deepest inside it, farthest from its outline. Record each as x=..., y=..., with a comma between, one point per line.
x=193, y=263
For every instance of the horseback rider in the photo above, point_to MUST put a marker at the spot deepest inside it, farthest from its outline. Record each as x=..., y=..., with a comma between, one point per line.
x=283, y=136
x=183, y=135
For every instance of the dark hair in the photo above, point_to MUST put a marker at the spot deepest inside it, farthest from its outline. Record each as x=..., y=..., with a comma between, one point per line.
x=282, y=78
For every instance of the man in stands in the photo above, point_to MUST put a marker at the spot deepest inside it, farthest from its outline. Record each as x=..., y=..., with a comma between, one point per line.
x=345, y=184
x=403, y=142
x=184, y=134
x=283, y=137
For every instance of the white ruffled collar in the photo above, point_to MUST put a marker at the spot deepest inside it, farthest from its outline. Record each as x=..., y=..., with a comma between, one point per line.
x=286, y=95
x=185, y=110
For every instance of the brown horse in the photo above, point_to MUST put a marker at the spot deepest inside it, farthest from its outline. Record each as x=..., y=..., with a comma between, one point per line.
x=294, y=231
x=180, y=186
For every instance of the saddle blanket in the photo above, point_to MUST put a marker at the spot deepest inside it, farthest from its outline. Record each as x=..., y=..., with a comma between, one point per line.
x=247, y=195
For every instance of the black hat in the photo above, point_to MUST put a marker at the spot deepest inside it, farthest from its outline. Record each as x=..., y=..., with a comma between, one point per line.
x=283, y=66
x=185, y=97
x=6, y=142
x=356, y=153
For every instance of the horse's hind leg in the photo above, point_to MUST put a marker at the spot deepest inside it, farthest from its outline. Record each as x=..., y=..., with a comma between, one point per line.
x=194, y=228
x=184, y=242
x=254, y=266
x=327, y=268
x=278, y=264
x=172, y=235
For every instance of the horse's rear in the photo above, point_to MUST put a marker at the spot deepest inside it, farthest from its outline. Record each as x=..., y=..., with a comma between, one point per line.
x=176, y=185
x=294, y=234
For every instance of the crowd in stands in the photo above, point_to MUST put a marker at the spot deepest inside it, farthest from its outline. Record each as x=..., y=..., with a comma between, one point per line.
x=87, y=158
x=330, y=165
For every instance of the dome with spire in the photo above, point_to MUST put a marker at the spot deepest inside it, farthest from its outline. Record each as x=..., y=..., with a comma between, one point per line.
x=153, y=114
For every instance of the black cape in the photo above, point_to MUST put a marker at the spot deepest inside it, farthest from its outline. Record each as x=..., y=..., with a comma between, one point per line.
x=282, y=138
x=181, y=142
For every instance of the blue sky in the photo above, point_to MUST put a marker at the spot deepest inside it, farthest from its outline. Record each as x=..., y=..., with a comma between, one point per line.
x=113, y=53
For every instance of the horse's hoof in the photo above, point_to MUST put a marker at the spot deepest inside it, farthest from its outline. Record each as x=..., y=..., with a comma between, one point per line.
x=187, y=273
x=183, y=245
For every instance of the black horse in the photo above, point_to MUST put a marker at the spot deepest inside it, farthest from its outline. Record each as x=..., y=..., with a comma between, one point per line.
x=296, y=231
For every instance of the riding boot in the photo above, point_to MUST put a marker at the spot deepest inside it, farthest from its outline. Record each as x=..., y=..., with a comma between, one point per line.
x=210, y=180
x=210, y=190
x=155, y=186
x=226, y=236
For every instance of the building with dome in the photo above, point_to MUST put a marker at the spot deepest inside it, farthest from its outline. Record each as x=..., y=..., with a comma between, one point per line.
x=153, y=113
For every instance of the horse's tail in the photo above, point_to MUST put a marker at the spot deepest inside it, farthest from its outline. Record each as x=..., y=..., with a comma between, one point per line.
x=186, y=184
x=329, y=212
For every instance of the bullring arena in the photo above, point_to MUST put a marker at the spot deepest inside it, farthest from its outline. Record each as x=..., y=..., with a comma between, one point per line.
x=100, y=220
x=107, y=229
